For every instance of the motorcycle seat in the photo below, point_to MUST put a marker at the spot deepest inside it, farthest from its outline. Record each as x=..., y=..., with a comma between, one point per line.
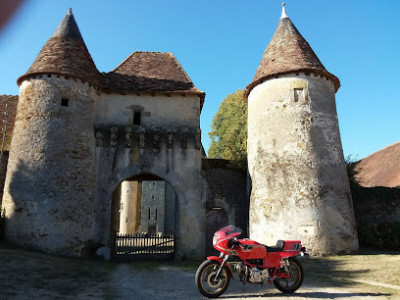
x=277, y=248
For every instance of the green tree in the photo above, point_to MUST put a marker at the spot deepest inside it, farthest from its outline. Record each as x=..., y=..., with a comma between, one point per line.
x=229, y=131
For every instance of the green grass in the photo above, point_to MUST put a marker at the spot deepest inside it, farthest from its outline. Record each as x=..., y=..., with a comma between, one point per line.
x=346, y=271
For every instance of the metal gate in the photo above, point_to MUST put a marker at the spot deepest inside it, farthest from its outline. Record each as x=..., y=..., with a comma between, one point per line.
x=145, y=246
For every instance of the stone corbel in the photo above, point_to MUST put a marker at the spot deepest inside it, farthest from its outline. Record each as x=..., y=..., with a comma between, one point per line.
x=197, y=139
x=114, y=137
x=170, y=138
x=184, y=137
x=142, y=138
x=156, y=139
x=99, y=139
x=128, y=137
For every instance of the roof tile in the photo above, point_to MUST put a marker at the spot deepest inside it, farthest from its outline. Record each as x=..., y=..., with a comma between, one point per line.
x=11, y=102
x=65, y=53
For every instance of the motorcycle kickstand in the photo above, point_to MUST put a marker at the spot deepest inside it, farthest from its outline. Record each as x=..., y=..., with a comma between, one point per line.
x=262, y=285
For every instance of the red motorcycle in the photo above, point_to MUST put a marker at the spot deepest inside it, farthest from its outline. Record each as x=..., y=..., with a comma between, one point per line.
x=257, y=263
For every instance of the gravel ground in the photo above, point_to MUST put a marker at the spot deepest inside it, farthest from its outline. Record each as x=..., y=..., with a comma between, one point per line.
x=168, y=282
x=34, y=275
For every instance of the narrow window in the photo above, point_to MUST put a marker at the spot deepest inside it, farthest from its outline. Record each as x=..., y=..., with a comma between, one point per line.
x=156, y=213
x=298, y=95
x=137, y=117
x=149, y=213
x=64, y=101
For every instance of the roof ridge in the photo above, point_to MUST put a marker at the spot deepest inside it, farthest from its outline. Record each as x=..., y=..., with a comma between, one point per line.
x=182, y=69
x=381, y=150
x=130, y=55
x=123, y=62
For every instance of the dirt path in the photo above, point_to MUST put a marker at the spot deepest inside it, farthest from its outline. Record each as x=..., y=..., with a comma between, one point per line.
x=168, y=282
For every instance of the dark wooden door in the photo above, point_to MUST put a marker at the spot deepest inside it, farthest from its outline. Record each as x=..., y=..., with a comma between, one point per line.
x=216, y=219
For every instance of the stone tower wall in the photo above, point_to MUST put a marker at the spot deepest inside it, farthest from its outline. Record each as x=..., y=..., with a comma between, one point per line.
x=50, y=184
x=300, y=185
x=129, y=219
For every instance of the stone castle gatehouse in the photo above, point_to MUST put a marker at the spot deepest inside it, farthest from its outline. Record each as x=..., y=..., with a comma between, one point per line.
x=96, y=154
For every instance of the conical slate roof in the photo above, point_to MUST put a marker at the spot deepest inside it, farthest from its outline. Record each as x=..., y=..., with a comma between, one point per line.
x=288, y=52
x=65, y=53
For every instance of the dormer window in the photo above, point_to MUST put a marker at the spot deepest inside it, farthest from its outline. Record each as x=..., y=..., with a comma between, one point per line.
x=136, y=116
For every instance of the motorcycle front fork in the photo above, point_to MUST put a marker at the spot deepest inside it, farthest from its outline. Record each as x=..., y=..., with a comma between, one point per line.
x=225, y=258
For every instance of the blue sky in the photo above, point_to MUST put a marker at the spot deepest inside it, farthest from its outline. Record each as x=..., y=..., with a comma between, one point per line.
x=220, y=43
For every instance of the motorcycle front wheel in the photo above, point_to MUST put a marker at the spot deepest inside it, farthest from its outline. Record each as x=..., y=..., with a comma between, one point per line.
x=291, y=284
x=206, y=281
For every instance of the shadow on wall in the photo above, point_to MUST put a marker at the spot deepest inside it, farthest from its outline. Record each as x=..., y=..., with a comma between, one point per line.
x=22, y=188
x=377, y=212
x=24, y=181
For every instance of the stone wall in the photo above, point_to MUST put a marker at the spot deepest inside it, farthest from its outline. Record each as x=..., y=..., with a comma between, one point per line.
x=152, y=207
x=226, y=188
x=3, y=171
x=227, y=199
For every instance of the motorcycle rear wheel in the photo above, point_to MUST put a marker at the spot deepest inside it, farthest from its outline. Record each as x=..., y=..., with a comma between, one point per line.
x=290, y=285
x=206, y=282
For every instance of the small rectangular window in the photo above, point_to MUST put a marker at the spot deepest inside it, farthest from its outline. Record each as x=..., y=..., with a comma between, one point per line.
x=64, y=101
x=136, y=117
x=298, y=95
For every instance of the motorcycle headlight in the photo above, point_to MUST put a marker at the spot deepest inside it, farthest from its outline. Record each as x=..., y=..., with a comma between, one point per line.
x=214, y=240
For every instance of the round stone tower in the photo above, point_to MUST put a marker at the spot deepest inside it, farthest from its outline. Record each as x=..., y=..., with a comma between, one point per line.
x=49, y=191
x=300, y=188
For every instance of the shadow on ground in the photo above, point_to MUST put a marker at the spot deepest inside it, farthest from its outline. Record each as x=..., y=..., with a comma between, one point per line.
x=312, y=295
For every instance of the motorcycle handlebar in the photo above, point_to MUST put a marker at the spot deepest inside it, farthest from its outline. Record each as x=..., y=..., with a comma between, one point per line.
x=233, y=243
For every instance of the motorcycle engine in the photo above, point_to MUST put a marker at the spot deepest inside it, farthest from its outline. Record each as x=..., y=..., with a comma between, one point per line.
x=253, y=275
x=243, y=272
x=258, y=276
